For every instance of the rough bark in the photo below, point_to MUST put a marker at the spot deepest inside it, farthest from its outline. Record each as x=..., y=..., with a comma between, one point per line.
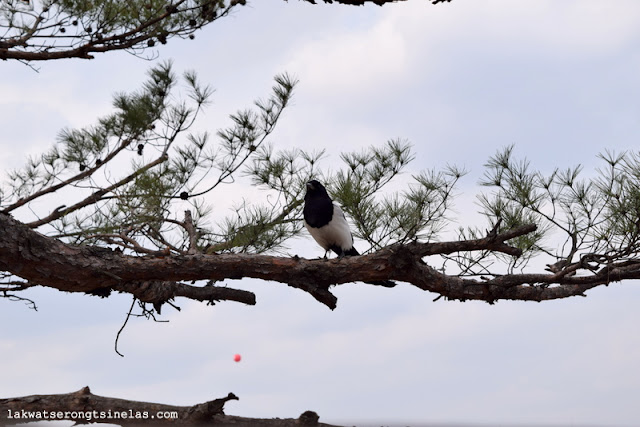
x=41, y=260
x=84, y=407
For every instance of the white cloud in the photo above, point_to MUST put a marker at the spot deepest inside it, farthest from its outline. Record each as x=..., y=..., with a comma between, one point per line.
x=351, y=63
x=570, y=28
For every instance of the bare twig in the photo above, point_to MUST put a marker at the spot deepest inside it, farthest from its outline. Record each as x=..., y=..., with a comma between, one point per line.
x=115, y=344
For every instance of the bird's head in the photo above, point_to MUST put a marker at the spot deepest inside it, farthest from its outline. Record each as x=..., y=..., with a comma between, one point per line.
x=315, y=189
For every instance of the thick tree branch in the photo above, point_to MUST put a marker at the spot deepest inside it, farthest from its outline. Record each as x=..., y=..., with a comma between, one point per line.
x=84, y=407
x=157, y=279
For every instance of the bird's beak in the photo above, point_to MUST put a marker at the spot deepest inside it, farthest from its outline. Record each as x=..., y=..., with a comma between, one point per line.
x=309, y=186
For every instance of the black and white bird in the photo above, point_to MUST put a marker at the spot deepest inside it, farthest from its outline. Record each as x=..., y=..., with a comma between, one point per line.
x=328, y=226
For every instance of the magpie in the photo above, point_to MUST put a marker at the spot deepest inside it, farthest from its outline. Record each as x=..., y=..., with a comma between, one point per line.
x=328, y=226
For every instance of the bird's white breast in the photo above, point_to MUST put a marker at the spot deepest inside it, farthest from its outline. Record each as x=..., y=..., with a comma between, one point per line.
x=336, y=232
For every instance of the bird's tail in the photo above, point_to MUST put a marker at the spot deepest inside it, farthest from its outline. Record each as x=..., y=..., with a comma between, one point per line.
x=351, y=252
x=385, y=283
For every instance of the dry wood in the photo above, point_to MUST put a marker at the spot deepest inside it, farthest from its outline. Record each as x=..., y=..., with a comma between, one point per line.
x=84, y=407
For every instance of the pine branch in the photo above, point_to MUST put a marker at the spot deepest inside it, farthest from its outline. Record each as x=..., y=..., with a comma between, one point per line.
x=78, y=177
x=95, y=270
x=41, y=32
x=98, y=195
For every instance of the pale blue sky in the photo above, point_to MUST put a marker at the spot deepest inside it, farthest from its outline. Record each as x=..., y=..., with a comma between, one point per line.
x=460, y=80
